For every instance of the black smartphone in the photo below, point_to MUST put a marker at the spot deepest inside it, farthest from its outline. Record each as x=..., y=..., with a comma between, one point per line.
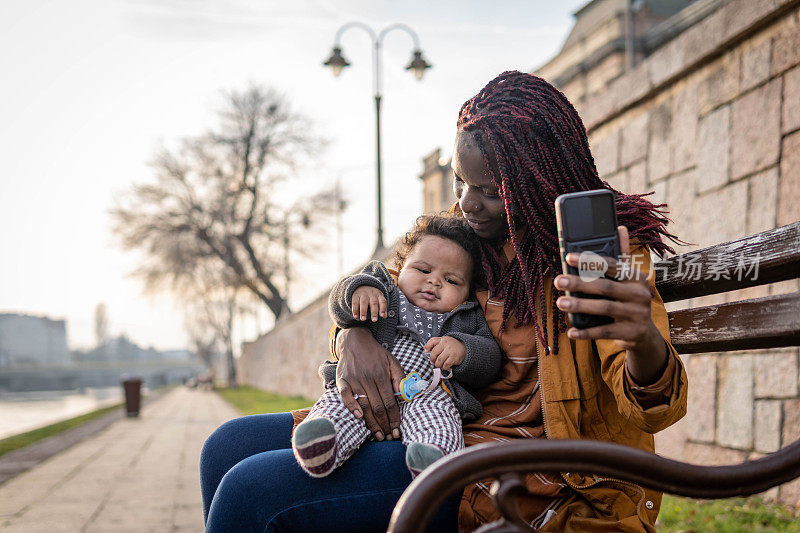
x=587, y=222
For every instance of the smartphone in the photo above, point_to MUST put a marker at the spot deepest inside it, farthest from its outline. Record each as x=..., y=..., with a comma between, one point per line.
x=587, y=222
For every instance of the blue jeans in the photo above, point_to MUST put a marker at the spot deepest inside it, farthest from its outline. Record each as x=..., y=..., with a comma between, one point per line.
x=250, y=481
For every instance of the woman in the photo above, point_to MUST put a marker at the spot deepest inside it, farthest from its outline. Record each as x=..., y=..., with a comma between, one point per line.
x=519, y=144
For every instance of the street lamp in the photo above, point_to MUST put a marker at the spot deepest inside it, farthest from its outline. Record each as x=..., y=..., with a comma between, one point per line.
x=337, y=63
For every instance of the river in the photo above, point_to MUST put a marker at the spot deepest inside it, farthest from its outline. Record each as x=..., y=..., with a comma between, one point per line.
x=24, y=411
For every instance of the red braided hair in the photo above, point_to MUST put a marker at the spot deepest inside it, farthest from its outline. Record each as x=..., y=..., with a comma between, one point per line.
x=535, y=148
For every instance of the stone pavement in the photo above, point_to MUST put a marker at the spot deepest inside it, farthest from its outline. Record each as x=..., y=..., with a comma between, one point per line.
x=139, y=474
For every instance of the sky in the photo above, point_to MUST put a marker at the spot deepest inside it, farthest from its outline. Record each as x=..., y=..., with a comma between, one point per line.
x=92, y=88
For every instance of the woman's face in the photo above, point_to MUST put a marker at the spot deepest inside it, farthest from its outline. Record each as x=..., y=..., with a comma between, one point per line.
x=477, y=195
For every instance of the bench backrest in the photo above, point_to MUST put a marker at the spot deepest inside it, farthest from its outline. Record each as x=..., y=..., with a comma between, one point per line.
x=767, y=322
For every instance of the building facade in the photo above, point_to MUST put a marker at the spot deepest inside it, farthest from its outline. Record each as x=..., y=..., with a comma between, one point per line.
x=32, y=341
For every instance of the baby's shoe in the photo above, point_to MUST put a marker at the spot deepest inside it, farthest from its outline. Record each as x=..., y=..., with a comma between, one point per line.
x=314, y=446
x=420, y=456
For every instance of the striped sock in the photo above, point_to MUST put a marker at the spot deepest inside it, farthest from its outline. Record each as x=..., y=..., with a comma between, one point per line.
x=420, y=456
x=314, y=446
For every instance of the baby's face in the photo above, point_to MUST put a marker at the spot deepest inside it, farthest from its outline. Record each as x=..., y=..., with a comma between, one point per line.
x=436, y=274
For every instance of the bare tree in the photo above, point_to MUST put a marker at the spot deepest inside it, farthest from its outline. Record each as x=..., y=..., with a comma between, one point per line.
x=214, y=204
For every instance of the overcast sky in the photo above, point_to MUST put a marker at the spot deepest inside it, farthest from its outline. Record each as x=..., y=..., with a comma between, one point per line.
x=92, y=87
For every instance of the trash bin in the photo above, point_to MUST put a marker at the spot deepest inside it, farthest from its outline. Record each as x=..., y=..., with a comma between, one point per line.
x=133, y=394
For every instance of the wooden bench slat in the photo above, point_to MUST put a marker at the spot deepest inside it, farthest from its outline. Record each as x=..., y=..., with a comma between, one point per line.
x=778, y=253
x=746, y=325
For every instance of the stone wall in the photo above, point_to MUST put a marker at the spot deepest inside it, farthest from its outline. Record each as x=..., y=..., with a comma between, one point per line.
x=286, y=359
x=711, y=123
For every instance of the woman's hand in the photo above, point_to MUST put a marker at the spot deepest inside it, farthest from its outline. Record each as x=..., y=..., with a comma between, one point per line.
x=633, y=327
x=367, y=377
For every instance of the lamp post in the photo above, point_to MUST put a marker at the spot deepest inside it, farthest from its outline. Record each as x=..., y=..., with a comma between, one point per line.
x=418, y=65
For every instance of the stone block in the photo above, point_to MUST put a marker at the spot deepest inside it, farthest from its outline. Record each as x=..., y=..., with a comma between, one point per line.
x=713, y=167
x=755, y=63
x=683, y=205
x=776, y=373
x=762, y=208
x=634, y=140
x=575, y=90
x=721, y=214
x=721, y=84
x=702, y=401
x=618, y=180
x=789, y=187
x=791, y=100
x=671, y=442
x=684, y=128
x=791, y=421
x=786, y=45
x=637, y=178
x=767, y=434
x=659, y=194
x=605, y=151
x=709, y=455
x=595, y=108
x=659, y=150
x=756, y=130
x=666, y=61
x=790, y=493
x=735, y=401
x=630, y=86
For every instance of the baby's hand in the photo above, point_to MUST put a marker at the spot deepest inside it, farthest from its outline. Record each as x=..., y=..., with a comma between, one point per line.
x=446, y=352
x=370, y=299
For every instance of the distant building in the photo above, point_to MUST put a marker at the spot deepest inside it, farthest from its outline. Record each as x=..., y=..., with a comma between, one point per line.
x=437, y=183
x=121, y=348
x=32, y=340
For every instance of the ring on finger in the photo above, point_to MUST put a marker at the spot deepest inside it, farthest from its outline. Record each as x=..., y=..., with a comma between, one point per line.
x=357, y=396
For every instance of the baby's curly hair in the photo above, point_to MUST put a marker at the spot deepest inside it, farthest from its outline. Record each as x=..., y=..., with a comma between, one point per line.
x=448, y=226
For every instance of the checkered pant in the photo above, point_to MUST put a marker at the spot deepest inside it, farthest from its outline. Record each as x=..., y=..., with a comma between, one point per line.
x=431, y=418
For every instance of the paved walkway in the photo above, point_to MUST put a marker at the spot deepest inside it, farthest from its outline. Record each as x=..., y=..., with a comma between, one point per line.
x=139, y=474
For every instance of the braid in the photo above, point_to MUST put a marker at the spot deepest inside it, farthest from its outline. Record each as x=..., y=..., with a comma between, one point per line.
x=535, y=147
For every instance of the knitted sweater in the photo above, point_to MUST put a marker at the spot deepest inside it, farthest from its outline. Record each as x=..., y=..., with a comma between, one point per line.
x=465, y=323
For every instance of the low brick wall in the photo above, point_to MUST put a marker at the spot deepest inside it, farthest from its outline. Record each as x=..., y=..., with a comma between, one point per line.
x=286, y=359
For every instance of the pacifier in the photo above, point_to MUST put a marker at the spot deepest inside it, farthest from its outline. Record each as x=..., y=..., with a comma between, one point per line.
x=413, y=385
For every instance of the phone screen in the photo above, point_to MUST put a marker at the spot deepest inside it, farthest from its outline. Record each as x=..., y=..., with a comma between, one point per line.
x=600, y=221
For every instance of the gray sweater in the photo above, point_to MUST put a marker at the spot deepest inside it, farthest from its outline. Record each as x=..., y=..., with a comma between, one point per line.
x=466, y=323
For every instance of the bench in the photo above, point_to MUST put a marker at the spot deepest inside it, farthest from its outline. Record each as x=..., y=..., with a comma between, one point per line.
x=766, y=322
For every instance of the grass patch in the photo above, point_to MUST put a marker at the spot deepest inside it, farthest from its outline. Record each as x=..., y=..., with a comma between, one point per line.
x=732, y=515
x=253, y=401
x=24, y=439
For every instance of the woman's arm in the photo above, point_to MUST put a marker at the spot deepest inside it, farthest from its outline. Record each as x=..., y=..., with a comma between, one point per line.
x=633, y=328
x=368, y=370
x=629, y=345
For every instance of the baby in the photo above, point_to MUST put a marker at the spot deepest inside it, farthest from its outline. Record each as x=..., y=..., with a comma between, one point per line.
x=427, y=320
